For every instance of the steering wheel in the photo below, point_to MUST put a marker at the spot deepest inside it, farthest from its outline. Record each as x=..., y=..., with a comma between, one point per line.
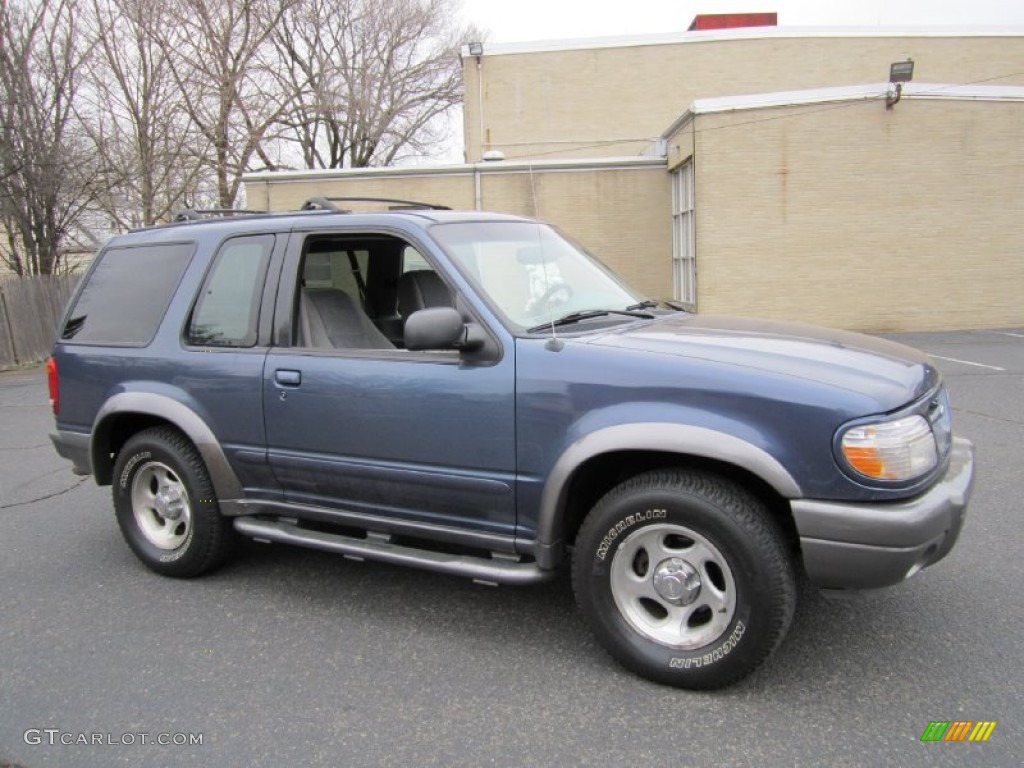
x=545, y=298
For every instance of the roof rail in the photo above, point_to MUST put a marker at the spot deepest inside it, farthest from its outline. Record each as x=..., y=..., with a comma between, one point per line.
x=198, y=214
x=328, y=204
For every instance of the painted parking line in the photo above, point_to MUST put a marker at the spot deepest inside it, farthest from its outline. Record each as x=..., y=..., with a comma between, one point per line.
x=1008, y=333
x=967, y=362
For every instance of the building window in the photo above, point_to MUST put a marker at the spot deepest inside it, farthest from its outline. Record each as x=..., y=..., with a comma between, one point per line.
x=684, y=262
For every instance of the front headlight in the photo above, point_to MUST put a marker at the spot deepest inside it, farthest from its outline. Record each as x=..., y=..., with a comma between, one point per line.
x=891, y=450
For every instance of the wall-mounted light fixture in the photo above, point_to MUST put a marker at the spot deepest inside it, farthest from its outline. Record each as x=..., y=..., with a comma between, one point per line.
x=900, y=72
x=476, y=50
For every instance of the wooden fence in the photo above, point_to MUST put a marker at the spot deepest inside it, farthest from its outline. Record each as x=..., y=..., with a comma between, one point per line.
x=30, y=308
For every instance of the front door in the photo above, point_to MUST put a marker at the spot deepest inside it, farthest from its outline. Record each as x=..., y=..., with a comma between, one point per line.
x=358, y=423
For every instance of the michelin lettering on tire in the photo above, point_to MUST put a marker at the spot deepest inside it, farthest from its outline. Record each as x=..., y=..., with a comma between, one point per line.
x=624, y=525
x=130, y=465
x=178, y=553
x=714, y=656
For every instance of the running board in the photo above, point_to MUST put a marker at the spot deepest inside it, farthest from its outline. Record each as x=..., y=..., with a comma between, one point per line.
x=378, y=547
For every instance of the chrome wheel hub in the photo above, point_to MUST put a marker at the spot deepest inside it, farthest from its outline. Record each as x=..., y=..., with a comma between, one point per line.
x=676, y=581
x=674, y=586
x=169, y=503
x=161, y=505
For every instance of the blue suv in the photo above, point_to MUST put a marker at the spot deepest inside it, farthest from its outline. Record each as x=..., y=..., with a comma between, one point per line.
x=474, y=394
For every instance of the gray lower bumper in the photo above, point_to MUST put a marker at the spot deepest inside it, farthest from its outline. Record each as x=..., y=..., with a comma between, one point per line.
x=74, y=446
x=867, y=546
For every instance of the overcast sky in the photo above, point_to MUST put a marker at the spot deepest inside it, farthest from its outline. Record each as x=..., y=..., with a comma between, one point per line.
x=507, y=21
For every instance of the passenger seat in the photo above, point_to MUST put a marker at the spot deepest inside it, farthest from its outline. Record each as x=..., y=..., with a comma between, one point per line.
x=330, y=318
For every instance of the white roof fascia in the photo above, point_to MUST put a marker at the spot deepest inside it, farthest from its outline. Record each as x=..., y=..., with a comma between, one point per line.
x=856, y=92
x=742, y=33
x=494, y=166
x=964, y=92
x=866, y=92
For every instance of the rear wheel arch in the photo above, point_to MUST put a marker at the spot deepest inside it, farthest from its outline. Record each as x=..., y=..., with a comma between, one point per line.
x=110, y=435
x=129, y=413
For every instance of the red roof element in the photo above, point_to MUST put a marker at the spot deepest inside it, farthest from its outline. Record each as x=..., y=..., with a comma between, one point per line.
x=732, y=20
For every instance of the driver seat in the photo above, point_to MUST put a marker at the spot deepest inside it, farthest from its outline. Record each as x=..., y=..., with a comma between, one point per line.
x=421, y=289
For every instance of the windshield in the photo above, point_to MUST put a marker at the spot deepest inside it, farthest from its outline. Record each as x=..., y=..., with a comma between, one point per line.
x=531, y=272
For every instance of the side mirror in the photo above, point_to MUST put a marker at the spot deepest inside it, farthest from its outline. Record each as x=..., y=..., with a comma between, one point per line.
x=436, y=328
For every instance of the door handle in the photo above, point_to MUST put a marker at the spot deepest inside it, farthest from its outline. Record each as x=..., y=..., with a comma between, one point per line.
x=287, y=378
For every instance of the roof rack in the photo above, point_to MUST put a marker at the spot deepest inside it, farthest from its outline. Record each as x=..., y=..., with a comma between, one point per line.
x=198, y=214
x=328, y=204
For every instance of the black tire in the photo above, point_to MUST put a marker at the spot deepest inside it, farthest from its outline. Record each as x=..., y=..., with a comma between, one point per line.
x=166, y=506
x=637, y=589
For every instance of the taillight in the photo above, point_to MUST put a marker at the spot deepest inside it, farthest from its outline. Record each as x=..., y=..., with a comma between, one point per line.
x=51, y=378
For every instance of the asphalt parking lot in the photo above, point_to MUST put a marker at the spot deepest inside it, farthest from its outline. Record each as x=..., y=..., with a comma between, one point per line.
x=290, y=657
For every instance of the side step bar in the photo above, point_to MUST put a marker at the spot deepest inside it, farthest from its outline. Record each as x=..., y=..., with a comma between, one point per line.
x=378, y=547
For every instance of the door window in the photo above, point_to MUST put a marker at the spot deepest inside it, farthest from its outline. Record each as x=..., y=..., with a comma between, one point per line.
x=349, y=289
x=227, y=309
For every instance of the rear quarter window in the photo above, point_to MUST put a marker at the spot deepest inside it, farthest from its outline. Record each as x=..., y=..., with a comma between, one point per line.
x=126, y=294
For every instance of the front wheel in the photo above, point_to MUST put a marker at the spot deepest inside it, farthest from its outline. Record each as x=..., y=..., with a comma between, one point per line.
x=166, y=506
x=684, y=578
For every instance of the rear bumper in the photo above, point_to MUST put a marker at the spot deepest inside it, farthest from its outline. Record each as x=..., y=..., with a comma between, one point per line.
x=75, y=447
x=867, y=546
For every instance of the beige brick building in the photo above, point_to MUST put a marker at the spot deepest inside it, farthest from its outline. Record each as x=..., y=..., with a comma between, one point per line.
x=754, y=171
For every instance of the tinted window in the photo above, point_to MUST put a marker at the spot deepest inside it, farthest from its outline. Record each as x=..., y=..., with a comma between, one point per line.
x=127, y=294
x=227, y=310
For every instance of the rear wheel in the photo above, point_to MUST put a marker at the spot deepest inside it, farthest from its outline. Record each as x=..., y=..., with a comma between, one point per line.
x=684, y=578
x=166, y=507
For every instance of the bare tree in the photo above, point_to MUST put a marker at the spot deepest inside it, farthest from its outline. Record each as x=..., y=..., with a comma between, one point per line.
x=138, y=117
x=371, y=79
x=222, y=63
x=47, y=173
x=115, y=112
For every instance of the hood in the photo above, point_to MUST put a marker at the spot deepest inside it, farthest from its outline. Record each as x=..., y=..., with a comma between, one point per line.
x=891, y=373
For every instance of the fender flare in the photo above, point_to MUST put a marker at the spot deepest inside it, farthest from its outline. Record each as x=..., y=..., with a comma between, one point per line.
x=657, y=436
x=179, y=415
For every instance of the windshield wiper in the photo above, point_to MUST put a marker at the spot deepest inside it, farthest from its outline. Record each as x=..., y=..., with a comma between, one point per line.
x=646, y=304
x=586, y=314
x=678, y=306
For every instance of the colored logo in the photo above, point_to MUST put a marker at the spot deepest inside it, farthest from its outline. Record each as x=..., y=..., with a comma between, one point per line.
x=958, y=730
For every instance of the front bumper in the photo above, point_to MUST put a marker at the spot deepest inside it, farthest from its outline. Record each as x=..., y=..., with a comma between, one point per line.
x=867, y=546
